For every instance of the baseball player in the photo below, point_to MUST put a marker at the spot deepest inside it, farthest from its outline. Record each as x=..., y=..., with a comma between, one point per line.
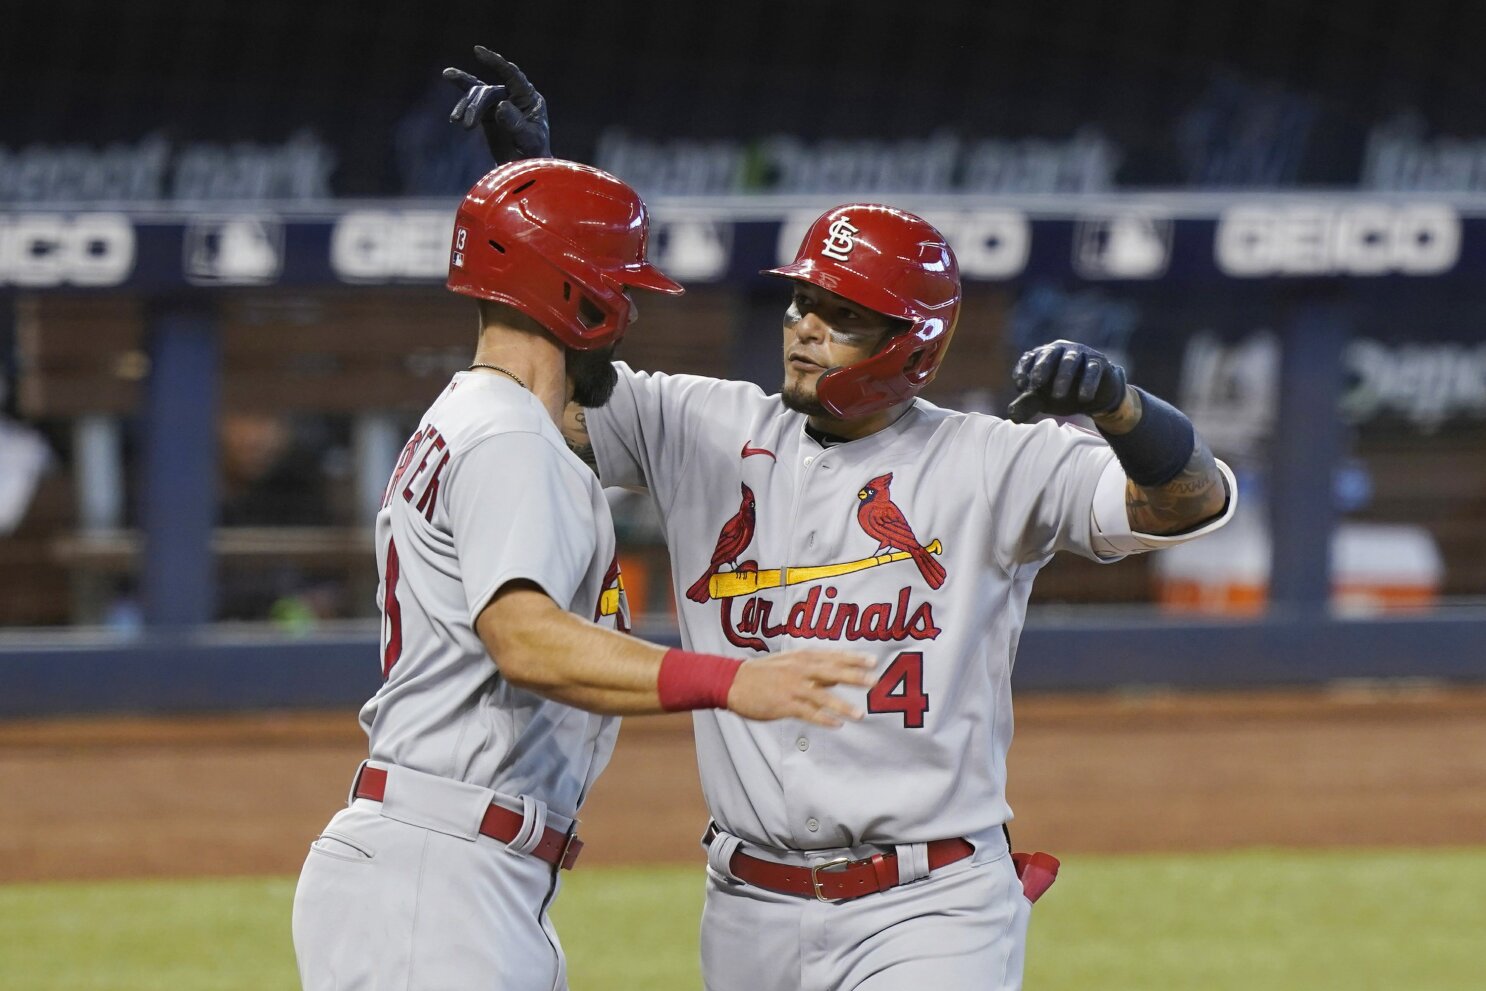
x=503, y=656
x=877, y=857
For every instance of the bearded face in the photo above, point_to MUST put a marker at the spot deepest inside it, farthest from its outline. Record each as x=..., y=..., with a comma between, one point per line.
x=592, y=374
x=822, y=331
x=801, y=397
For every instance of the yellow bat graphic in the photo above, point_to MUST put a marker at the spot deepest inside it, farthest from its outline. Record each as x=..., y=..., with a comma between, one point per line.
x=731, y=584
x=609, y=598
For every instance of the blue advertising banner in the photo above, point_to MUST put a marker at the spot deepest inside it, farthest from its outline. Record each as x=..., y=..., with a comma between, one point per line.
x=1133, y=241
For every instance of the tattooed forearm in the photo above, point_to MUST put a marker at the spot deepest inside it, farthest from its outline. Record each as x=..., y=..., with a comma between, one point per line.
x=1123, y=418
x=1197, y=494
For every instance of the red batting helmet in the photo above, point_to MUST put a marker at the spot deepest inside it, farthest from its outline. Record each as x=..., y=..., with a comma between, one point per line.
x=893, y=263
x=558, y=241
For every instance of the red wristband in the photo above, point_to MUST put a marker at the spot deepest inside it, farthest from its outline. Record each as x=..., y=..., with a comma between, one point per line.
x=695, y=681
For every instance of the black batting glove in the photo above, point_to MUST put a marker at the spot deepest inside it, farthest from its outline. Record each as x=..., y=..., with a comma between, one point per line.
x=510, y=112
x=1064, y=378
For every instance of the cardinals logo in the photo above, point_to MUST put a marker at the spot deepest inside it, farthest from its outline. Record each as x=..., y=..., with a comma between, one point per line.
x=878, y=517
x=820, y=615
x=885, y=523
x=612, y=600
x=737, y=534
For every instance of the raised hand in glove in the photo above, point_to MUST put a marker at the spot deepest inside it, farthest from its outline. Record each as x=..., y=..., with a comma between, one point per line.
x=1065, y=378
x=510, y=112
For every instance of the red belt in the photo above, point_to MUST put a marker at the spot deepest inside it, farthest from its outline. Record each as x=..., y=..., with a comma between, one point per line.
x=840, y=879
x=499, y=823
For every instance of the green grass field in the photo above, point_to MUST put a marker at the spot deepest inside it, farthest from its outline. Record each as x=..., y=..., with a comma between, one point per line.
x=1401, y=921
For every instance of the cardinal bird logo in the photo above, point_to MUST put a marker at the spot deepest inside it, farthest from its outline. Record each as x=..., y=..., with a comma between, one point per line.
x=749, y=451
x=737, y=534
x=886, y=524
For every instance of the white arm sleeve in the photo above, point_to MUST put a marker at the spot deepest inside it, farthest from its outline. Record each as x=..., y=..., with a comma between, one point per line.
x=1040, y=481
x=1113, y=536
x=517, y=510
x=642, y=435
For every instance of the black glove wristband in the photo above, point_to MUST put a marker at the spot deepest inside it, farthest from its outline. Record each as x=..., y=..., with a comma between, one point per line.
x=1159, y=447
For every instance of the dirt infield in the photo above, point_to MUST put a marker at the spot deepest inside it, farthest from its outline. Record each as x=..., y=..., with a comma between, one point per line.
x=244, y=794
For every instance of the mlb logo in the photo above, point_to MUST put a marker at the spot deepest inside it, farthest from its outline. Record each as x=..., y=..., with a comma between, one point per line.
x=692, y=249
x=1122, y=246
x=234, y=251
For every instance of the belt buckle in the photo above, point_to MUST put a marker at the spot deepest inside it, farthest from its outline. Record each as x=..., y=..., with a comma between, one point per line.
x=815, y=881
x=567, y=845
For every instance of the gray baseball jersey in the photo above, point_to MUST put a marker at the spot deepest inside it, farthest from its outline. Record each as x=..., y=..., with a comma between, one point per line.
x=484, y=493
x=918, y=544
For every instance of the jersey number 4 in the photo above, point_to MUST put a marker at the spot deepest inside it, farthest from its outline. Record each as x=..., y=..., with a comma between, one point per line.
x=901, y=689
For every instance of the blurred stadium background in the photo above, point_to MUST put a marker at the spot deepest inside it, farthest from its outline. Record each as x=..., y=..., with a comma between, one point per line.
x=222, y=246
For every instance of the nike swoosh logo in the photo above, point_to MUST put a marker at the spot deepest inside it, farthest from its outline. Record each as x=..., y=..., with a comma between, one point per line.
x=749, y=451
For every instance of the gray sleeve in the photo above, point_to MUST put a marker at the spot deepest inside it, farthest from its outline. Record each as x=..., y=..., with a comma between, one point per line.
x=1040, y=481
x=643, y=435
x=518, y=510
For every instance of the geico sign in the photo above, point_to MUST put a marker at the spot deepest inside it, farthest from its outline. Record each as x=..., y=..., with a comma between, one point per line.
x=988, y=244
x=391, y=245
x=1365, y=239
x=53, y=249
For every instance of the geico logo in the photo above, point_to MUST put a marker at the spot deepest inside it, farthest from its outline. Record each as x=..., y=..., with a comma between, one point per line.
x=988, y=244
x=1365, y=239
x=51, y=249
x=383, y=245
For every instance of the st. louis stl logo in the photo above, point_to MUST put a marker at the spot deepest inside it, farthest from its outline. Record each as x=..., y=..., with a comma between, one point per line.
x=818, y=616
x=841, y=240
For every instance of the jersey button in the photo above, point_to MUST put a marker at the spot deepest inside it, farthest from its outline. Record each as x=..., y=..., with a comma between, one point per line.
x=808, y=459
x=803, y=744
x=812, y=824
